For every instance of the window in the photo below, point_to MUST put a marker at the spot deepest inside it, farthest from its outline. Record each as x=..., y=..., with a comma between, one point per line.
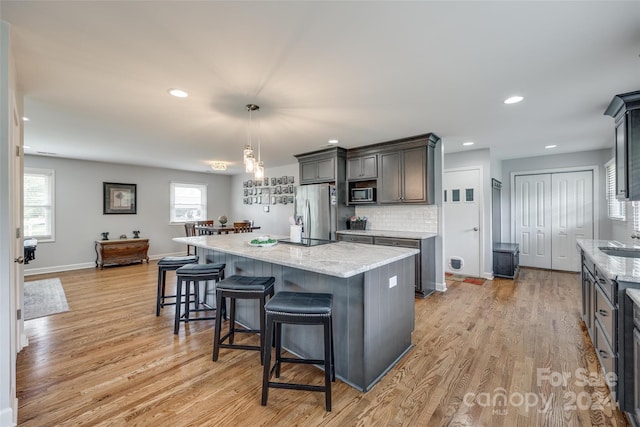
x=38, y=203
x=188, y=202
x=469, y=194
x=636, y=216
x=615, y=208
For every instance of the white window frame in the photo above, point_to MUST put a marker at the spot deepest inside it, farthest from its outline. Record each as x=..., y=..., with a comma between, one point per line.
x=616, y=209
x=52, y=197
x=202, y=206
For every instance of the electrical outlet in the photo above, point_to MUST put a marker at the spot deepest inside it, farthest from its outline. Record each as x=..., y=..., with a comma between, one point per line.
x=393, y=281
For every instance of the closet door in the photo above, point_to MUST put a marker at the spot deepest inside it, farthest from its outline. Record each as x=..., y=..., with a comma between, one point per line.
x=571, y=217
x=533, y=219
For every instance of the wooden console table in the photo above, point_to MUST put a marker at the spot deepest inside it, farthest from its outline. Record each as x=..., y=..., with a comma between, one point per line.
x=122, y=251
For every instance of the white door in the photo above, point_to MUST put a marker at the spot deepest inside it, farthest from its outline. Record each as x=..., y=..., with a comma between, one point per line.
x=533, y=219
x=552, y=211
x=462, y=222
x=571, y=218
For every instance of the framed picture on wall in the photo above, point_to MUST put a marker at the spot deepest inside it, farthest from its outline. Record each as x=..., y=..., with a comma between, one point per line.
x=118, y=198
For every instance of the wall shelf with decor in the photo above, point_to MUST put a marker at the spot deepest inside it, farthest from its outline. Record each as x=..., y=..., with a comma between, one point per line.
x=269, y=191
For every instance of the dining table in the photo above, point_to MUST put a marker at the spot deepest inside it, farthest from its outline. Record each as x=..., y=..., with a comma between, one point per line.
x=219, y=229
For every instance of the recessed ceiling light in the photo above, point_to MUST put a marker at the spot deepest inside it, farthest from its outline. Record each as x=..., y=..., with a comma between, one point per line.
x=550, y=146
x=333, y=141
x=178, y=93
x=25, y=119
x=468, y=143
x=513, y=100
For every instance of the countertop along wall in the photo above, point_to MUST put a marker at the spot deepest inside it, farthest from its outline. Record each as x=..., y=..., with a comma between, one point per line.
x=78, y=209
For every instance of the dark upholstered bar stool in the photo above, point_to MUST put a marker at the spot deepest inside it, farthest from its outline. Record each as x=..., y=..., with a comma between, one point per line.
x=298, y=308
x=169, y=263
x=194, y=274
x=240, y=287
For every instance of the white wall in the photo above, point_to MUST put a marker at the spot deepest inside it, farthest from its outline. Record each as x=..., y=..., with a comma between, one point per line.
x=276, y=221
x=78, y=209
x=558, y=161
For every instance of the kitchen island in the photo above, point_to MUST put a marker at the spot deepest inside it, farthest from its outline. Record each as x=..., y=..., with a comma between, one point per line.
x=372, y=287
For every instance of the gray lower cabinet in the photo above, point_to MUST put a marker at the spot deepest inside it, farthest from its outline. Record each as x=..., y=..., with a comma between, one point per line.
x=636, y=376
x=355, y=238
x=506, y=259
x=608, y=314
x=425, y=271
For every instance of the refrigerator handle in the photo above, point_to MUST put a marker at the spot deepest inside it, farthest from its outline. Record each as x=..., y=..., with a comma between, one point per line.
x=307, y=221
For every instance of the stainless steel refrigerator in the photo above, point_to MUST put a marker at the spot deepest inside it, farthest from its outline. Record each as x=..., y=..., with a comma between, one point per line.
x=321, y=209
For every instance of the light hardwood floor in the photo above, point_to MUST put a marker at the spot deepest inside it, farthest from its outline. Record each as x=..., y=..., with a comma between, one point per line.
x=111, y=361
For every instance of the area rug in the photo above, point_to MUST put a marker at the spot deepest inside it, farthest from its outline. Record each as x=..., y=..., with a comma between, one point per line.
x=474, y=281
x=43, y=298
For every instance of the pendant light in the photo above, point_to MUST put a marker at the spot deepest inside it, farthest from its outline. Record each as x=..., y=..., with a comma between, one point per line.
x=249, y=159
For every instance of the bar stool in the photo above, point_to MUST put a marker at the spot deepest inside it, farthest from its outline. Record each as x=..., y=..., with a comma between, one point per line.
x=298, y=308
x=240, y=287
x=169, y=263
x=194, y=274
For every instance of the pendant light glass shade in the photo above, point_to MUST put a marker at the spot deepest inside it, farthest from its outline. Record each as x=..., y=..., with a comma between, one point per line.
x=259, y=170
x=247, y=151
x=249, y=163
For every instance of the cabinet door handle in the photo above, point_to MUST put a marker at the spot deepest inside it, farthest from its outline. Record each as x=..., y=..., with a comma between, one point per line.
x=603, y=313
x=604, y=354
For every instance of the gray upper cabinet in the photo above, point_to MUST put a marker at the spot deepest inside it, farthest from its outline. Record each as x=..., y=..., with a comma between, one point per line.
x=406, y=176
x=322, y=166
x=625, y=109
x=317, y=171
x=364, y=167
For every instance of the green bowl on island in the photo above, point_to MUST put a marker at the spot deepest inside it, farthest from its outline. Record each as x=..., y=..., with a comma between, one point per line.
x=263, y=241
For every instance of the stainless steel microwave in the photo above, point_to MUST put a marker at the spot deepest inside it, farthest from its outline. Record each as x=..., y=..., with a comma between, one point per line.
x=362, y=195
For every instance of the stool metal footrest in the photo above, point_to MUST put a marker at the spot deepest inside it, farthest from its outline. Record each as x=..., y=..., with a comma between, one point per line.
x=294, y=386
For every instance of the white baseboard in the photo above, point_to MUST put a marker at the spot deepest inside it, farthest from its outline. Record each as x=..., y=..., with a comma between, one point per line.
x=69, y=267
x=24, y=341
x=6, y=417
x=57, y=268
x=442, y=287
x=488, y=276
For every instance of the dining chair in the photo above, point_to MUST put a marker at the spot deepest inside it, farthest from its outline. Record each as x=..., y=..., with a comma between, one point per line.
x=242, y=227
x=207, y=223
x=190, y=230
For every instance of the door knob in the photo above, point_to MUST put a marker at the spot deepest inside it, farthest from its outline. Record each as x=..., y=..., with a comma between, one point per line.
x=19, y=260
x=475, y=228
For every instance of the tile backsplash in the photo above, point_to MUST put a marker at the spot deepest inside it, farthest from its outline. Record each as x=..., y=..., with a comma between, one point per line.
x=401, y=218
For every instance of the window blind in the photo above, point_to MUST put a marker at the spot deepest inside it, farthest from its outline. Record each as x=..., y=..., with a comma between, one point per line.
x=38, y=187
x=615, y=208
x=188, y=202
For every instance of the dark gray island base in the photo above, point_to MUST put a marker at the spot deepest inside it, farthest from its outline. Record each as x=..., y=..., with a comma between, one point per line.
x=373, y=310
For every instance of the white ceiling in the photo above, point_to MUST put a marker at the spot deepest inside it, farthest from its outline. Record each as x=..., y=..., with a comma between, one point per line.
x=95, y=76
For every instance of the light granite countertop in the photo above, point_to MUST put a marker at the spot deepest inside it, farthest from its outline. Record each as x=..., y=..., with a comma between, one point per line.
x=340, y=259
x=616, y=268
x=634, y=294
x=390, y=233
